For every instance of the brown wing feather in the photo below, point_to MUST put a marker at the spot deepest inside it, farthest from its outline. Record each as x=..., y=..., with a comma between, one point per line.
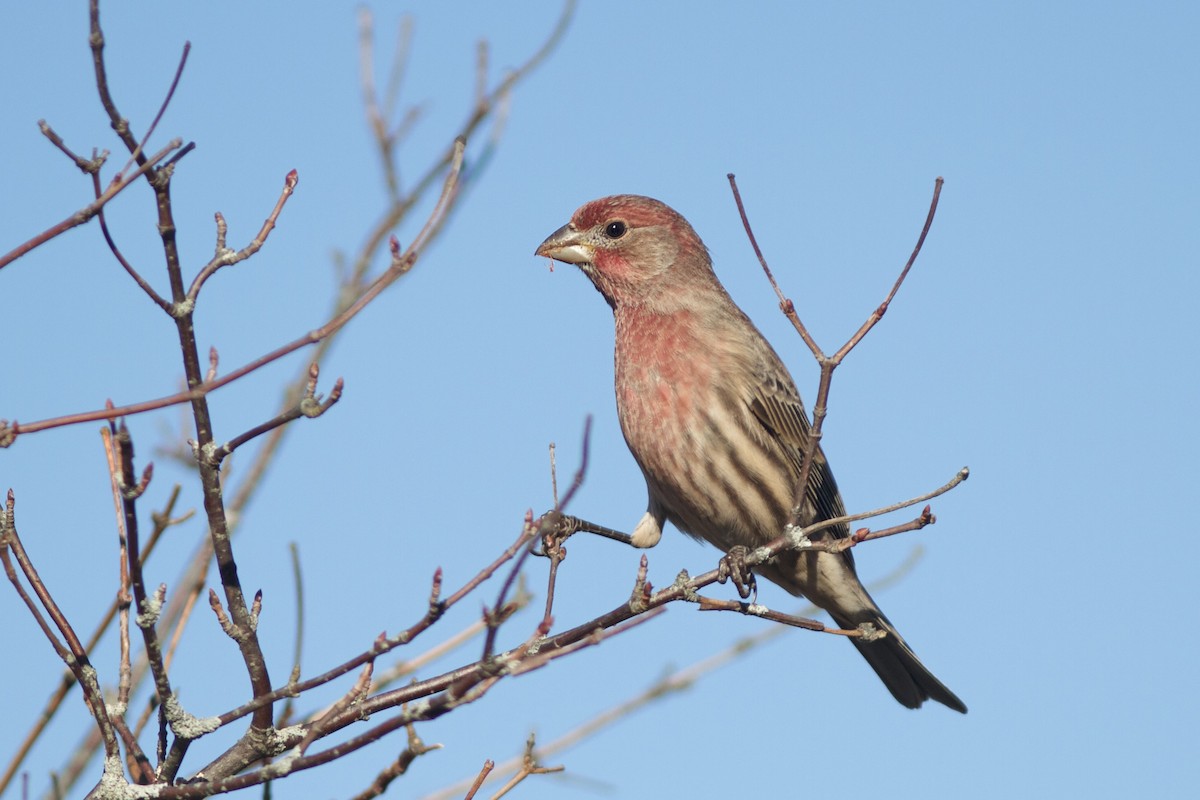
x=780, y=410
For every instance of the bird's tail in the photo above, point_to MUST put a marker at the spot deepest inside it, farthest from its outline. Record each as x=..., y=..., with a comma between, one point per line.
x=909, y=681
x=829, y=581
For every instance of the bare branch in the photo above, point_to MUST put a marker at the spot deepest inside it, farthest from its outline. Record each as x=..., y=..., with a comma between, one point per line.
x=827, y=363
x=400, y=265
x=676, y=681
x=415, y=748
x=116, y=251
x=162, y=109
x=759, y=610
x=91, y=209
x=69, y=648
x=162, y=521
x=225, y=257
x=119, y=446
x=883, y=307
x=529, y=766
x=312, y=405
x=87, y=167
x=483, y=773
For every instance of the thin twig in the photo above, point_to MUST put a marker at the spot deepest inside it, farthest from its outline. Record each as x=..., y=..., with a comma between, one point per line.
x=377, y=118
x=383, y=679
x=311, y=405
x=761, y=611
x=883, y=307
x=785, y=304
x=541, y=659
x=285, y=713
x=497, y=614
x=415, y=748
x=677, y=681
x=162, y=108
x=827, y=363
x=122, y=129
x=91, y=209
x=226, y=257
x=124, y=597
x=87, y=167
x=162, y=521
x=437, y=608
x=529, y=766
x=479, y=779
x=242, y=619
x=464, y=685
x=145, y=286
x=96, y=40
x=68, y=648
x=400, y=265
x=147, y=608
x=318, y=727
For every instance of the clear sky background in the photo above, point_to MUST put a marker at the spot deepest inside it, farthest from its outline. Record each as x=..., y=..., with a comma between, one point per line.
x=1045, y=338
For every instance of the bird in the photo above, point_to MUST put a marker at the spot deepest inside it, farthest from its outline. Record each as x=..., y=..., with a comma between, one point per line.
x=714, y=419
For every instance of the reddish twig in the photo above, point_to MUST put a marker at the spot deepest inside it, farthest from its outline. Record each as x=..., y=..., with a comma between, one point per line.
x=410, y=753
x=552, y=548
x=138, y=764
x=91, y=209
x=145, y=286
x=162, y=108
x=925, y=518
x=124, y=596
x=69, y=648
x=437, y=607
x=312, y=405
x=386, y=138
x=529, y=766
x=87, y=167
x=135, y=155
x=467, y=684
x=147, y=607
x=678, y=680
x=761, y=611
x=401, y=264
x=496, y=615
x=180, y=307
x=162, y=521
x=479, y=779
x=318, y=727
x=224, y=256
x=685, y=586
x=597, y=636
x=827, y=363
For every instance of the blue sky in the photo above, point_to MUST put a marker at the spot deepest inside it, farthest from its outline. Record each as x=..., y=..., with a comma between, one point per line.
x=1044, y=339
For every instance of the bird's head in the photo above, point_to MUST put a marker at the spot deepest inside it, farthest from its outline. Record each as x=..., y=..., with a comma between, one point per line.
x=634, y=249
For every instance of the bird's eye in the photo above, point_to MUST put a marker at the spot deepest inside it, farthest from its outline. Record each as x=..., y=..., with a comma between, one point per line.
x=615, y=230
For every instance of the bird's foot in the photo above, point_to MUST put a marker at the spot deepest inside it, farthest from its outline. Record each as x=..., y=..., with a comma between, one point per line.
x=557, y=528
x=733, y=567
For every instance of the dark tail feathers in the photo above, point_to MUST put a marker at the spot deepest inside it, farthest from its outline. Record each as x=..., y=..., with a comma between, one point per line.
x=900, y=670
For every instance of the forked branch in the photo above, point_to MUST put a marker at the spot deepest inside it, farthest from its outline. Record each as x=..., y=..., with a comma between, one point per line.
x=827, y=363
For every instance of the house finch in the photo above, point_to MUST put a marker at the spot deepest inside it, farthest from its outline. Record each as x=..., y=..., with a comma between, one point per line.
x=713, y=418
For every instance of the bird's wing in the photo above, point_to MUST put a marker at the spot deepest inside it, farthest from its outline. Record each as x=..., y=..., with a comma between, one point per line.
x=777, y=407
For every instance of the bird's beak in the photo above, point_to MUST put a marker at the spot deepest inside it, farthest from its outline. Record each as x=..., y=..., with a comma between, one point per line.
x=567, y=245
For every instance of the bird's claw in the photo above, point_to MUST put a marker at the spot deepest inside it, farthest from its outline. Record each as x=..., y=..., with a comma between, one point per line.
x=733, y=567
x=556, y=528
